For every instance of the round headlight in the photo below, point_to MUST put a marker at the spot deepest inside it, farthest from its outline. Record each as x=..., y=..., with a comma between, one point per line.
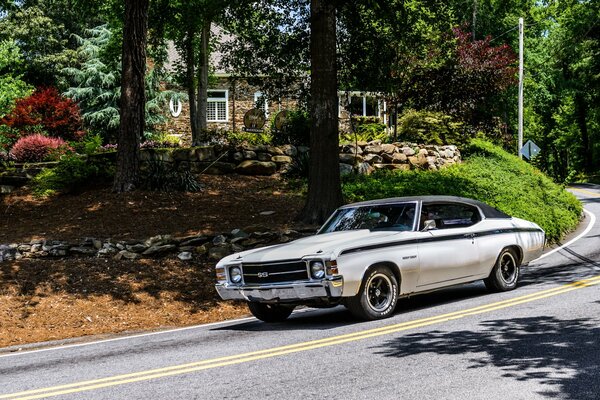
x=317, y=269
x=235, y=274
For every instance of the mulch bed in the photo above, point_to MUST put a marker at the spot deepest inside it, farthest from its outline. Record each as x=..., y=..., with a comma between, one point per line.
x=47, y=299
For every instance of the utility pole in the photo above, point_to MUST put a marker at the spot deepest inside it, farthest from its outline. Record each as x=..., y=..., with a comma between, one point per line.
x=520, y=144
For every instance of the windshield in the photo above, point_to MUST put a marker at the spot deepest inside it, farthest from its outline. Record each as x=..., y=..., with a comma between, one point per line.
x=388, y=217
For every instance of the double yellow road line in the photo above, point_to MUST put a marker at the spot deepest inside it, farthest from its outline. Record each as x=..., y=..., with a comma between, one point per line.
x=293, y=348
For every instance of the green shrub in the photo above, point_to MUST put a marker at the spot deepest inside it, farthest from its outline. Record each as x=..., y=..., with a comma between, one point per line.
x=72, y=173
x=296, y=129
x=431, y=127
x=249, y=138
x=489, y=174
x=89, y=144
x=366, y=129
x=162, y=178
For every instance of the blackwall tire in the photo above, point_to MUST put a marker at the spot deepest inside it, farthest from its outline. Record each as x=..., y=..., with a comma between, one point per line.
x=377, y=297
x=270, y=312
x=506, y=272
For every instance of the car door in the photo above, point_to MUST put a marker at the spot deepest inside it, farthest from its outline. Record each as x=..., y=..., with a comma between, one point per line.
x=449, y=253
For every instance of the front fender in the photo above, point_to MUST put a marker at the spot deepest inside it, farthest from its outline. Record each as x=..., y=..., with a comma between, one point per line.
x=354, y=266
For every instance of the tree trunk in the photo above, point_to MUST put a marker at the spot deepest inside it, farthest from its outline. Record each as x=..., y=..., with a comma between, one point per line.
x=133, y=96
x=324, y=187
x=190, y=78
x=202, y=82
x=581, y=115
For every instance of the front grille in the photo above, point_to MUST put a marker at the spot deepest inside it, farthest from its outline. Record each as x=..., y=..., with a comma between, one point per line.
x=276, y=272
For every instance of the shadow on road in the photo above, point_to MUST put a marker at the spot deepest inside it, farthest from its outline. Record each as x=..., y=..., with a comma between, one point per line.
x=560, y=354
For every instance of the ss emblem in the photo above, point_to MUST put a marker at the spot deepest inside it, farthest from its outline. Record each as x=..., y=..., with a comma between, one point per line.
x=263, y=274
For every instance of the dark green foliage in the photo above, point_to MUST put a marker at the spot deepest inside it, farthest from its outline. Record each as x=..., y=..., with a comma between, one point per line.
x=73, y=173
x=431, y=127
x=367, y=129
x=163, y=178
x=490, y=175
x=296, y=129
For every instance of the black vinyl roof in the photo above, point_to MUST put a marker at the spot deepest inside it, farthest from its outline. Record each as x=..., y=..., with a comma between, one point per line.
x=488, y=211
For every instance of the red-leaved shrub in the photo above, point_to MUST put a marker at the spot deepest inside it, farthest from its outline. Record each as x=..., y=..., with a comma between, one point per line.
x=57, y=115
x=35, y=148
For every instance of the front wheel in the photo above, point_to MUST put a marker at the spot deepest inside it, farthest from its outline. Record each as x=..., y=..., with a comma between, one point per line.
x=270, y=312
x=505, y=274
x=377, y=297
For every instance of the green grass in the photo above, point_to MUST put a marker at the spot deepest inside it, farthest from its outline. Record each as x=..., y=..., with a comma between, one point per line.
x=488, y=174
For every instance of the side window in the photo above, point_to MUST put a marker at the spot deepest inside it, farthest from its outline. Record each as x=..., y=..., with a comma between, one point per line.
x=448, y=216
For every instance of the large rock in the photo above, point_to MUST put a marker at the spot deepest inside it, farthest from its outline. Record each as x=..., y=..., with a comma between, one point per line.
x=351, y=149
x=156, y=250
x=159, y=240
x=249, y=155
x=274, y=150
x=389, y=148
x=345, y=169
x=281, y=159
x=364, y=169
x=289, y=150
x=216, y=253
x=263, y=157
x=374, y=149
x=407, y=151
x=206, y=153
x=252, y=167
x=350, y=158
x=373, y=158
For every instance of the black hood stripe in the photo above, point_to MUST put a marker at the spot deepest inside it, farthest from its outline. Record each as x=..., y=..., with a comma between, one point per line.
x=441, y=239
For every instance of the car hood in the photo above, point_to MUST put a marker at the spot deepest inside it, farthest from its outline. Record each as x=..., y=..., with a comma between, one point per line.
x=325, y=244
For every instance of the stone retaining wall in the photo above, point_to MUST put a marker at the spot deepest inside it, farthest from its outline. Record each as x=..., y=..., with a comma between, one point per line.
x=361, y=157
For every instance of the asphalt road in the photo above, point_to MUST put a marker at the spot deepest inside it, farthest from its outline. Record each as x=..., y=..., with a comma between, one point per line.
x=540, y=341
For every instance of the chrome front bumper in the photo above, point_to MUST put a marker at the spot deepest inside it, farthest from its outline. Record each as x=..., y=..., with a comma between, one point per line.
x=282, y=291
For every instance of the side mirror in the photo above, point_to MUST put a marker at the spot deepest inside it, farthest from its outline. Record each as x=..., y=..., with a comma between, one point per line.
x=429, y=225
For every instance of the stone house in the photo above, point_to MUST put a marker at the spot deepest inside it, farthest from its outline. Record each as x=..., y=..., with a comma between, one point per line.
x=229, y=98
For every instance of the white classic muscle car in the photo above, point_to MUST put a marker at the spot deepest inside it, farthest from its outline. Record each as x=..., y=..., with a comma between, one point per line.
x=370, y=254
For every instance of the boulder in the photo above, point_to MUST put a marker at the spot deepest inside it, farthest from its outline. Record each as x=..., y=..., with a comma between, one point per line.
x=84, y=251
x=373, y=149
x=185, y=256
x=389, y=148
x=252, y=167
x=249, y=155
x=345, y=169
x=136, y=248
x=205, y=153
x=290, y=150
x=158, y=240
x=263, y=157
x=238, y=156
x=407, y=151
x=156, y=249
x=274, y=150
x=281, y=159
x=373, y=158
x=127, y=255
x=350, y=158
x=216, y=253
x=364, y=169
x=219, y=240
x=183, y=154
x=195, y=240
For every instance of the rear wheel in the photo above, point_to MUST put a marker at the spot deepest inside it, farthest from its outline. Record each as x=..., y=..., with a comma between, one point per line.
x=505, y=274
x=270, y=312
x=377, y=297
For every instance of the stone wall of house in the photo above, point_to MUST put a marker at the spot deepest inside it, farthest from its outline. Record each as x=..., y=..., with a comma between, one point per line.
x=241, y=99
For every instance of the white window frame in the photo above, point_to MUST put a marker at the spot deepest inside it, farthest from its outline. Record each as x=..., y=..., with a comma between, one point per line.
x=218, y=100
x=265, y=106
